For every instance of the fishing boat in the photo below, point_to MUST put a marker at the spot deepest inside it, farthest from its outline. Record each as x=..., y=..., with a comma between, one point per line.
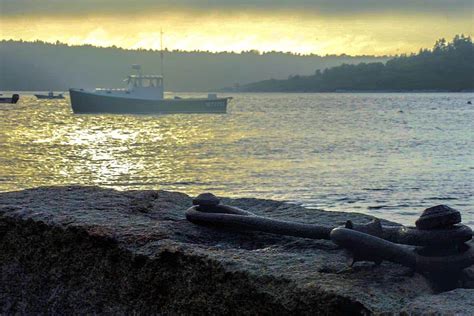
x=144, y=95
x=50, y=95
x=13, y=99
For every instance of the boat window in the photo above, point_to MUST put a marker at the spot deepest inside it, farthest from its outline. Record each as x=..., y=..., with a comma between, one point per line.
x=153, y=82
x=145, y=82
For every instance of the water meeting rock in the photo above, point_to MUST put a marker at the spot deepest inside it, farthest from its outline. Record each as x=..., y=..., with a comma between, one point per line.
x=92, y=250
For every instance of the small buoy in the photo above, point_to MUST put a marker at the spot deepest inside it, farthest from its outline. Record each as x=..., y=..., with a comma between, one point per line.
x=469, y=102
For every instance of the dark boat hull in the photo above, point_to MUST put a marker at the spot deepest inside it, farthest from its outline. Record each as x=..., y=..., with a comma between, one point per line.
x=42, y=96
x=13, y=100
x=88, y=102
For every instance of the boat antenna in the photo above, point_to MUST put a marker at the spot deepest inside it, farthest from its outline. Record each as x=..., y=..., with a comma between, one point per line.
x=161, y=51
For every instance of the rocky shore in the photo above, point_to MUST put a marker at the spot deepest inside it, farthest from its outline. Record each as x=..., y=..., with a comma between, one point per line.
x=92, y=250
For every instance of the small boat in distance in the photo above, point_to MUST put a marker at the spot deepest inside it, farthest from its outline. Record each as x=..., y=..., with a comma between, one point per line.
x=50, y=95
x=143, y=95
x=13, y=99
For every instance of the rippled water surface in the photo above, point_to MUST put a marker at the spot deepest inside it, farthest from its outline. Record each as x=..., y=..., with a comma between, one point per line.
x=389, y=155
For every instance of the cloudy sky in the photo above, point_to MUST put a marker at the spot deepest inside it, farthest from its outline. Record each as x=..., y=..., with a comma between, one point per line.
x=319, y=26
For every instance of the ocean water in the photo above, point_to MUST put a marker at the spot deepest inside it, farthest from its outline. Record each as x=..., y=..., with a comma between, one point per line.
x=388, y=155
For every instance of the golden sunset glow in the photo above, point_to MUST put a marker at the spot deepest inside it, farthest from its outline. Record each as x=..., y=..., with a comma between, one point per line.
x=293, y=31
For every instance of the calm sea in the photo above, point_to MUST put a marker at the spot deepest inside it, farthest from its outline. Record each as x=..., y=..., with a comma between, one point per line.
x=389, y=155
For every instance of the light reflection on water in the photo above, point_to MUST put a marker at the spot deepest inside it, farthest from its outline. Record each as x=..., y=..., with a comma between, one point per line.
x=389, y=155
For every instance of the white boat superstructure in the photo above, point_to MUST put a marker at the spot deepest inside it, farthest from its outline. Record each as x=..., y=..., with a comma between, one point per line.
x=139, y=86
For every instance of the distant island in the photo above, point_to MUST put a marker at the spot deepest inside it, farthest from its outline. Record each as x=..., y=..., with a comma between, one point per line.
x=57, y=66
x=448, y=66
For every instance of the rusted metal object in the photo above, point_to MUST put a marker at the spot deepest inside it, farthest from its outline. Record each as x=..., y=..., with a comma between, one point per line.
x=439, y=216
x=230, y=217
x=440, y=244
x=365, y=247
x=407, y=235
x=213, y=213
x=206, y=199
x=442, y=257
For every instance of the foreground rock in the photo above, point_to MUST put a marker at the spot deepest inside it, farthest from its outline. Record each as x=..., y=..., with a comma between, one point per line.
x=455, y=302
x=93, y=250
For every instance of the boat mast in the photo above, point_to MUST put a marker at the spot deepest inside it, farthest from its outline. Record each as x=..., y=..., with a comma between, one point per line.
x=161, y=51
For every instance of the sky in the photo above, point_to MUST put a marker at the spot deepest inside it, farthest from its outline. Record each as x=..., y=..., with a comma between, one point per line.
x=354, y=27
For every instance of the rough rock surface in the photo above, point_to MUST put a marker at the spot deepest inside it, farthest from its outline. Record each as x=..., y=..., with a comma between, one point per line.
x=455, y=302
x=95, y=250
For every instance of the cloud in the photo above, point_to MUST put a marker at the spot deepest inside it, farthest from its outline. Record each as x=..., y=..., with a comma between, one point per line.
x=12, y=8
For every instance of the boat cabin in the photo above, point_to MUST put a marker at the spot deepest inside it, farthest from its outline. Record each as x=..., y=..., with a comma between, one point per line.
x=149, y=86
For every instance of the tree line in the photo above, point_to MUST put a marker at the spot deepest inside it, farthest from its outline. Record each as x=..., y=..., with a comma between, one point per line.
x=448, y=66
x=56, y=66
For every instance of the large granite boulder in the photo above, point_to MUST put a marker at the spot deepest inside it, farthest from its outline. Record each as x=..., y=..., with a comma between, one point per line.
x=94, y=250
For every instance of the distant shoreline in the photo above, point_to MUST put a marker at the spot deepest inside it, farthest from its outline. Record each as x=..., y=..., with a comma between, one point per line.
x=28, y=92
x=351, y=91
x=447, y=67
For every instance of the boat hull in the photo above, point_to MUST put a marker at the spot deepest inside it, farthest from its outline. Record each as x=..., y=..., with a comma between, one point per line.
x=43, y=97
x=13, y=100
x=89, y=102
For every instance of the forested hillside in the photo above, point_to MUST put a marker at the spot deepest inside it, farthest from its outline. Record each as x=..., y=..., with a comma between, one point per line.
x=448, y=66
x=43, y=66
